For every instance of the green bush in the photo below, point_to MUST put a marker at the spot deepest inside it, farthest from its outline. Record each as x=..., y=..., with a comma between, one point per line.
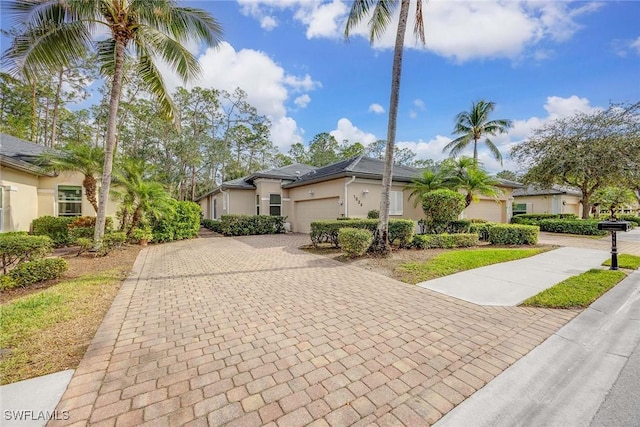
x=76, y=233
x=54, y=227
x=247, y=225
x=432, y=241
x=373, y=214
x=534, y=219
x=31, y=272
x=478, y=221
x=513, y=234
x=481, y=229
x=440, y=208
x=400, y=230
x=115, y=239
x=631, y=218
x=16, y=249
x=90, y=222
x=84, y=244
x=213, y=225
x=6, y=282
x=458, y=226
x=354, y=241
x=181, y=221
x=586, y=227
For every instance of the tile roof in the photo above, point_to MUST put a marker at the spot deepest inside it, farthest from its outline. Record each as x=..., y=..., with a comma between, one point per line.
x=22, y=154
x=536, y=190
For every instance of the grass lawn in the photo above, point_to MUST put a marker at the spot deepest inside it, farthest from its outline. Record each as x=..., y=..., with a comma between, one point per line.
x=577, y=291
x=452, y=262
x=48, y=330
x=631, y=262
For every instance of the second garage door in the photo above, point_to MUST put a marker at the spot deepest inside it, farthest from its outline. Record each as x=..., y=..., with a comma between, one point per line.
x=485, y=209
x=307, y=211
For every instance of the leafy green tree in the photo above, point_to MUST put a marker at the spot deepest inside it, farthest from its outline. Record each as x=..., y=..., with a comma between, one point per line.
x=472, y=126
x=348, y=151
x=613, y=198
x=323, y=150
x=508, y=175
x=380, y=14
x=428, y=181
x=57, y=33
x=466, y=175
x=78, y=157
x=585, y=150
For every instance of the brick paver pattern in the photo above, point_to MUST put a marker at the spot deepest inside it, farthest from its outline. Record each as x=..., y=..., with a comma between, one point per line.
x=252, y=331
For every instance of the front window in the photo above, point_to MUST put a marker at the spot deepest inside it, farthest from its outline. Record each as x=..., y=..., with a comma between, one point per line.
x=519, y=208
x=395, y=203
x=69, y=200
x=275, y=204
x=257, y=204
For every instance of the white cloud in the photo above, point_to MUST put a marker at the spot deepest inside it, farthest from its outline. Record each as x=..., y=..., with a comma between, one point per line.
x=268, y=23
x=302, y=101
x=558, y=107
x=419, y=103
x=635, y=45
x=347, y=131
x=431, y=149
x=460, y=30
x=376, y=108
x=268, y=90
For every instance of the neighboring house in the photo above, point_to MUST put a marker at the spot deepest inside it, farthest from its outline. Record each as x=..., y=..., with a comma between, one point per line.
x=28, y=192
x=348, y=188
x=555, y=200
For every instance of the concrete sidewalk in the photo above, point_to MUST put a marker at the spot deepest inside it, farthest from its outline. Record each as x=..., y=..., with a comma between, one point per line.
x=564, y=381
x=510, y=283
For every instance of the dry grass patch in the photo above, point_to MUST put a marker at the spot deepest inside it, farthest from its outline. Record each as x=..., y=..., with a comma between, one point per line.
x=48, y=329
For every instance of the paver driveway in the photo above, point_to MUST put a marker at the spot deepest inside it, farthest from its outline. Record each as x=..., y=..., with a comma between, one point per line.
x=252, y=331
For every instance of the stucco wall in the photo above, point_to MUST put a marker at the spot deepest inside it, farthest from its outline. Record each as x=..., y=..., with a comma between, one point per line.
x=552, y=204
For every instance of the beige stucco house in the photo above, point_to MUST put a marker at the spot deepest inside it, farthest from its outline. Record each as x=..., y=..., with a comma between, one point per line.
x=557, y=199
x=28, y=192
x=349, y=188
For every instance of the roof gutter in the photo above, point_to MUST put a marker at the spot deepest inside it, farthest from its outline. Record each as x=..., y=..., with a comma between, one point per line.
x=346, y=199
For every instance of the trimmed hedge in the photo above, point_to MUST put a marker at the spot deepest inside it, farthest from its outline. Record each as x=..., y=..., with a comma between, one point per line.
x=459, y=226
x=481, y=229
x=513, y=234
x=534, y=219
x=586, y=227
x=182, y=221
x=400, y=230
x=246, y=225
x=17, y=248
x=354, y=241
x=432, y=241
x=31, y=272
x=54, y=227
x=213, y=225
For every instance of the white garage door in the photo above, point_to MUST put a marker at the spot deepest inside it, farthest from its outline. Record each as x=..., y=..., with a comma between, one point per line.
x=308, y=211
x=485, y=209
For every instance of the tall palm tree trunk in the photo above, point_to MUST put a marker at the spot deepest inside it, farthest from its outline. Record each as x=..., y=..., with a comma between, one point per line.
x=381, y=245
x=116, y=88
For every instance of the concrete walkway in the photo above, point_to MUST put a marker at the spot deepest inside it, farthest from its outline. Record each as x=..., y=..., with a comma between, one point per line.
x=510, y=283
x=252, y=331
x=565, y=380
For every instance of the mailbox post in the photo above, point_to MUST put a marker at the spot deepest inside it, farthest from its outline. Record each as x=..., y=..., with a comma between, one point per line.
x=614, y=226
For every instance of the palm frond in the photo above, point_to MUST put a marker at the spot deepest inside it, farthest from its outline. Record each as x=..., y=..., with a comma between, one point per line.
x=360, y=9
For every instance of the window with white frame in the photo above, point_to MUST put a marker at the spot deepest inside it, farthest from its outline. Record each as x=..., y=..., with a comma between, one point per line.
x=275, y=204
x=69, y=200
x=395, y=203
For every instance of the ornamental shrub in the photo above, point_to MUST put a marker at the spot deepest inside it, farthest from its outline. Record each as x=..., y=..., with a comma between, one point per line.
x=440, y=208
x=634, y=219
x=246, y=225
x=213, y=225
x=16, y=249
x=534, y=219
x=482, y=229
x=84, y=244
x=458, y=226
x=180, y=221
x=432, y=241
x=513, y=234
x=54, y=227
x=373, y=214
x=400, y=230
x=587, y=227
x=6, y=282
x=354, y=241
x=31, y=272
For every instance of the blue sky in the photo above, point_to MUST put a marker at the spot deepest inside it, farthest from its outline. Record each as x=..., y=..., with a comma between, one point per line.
x=536, y=60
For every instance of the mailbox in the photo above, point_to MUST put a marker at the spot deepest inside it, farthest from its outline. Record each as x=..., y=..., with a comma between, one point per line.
x=614, y=225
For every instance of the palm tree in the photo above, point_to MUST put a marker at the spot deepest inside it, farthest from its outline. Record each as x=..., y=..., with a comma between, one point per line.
x=381, y=14
x=465, y=174
x=472, y=126
x=429, y=180
x=77, y=157
x=56, y=32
